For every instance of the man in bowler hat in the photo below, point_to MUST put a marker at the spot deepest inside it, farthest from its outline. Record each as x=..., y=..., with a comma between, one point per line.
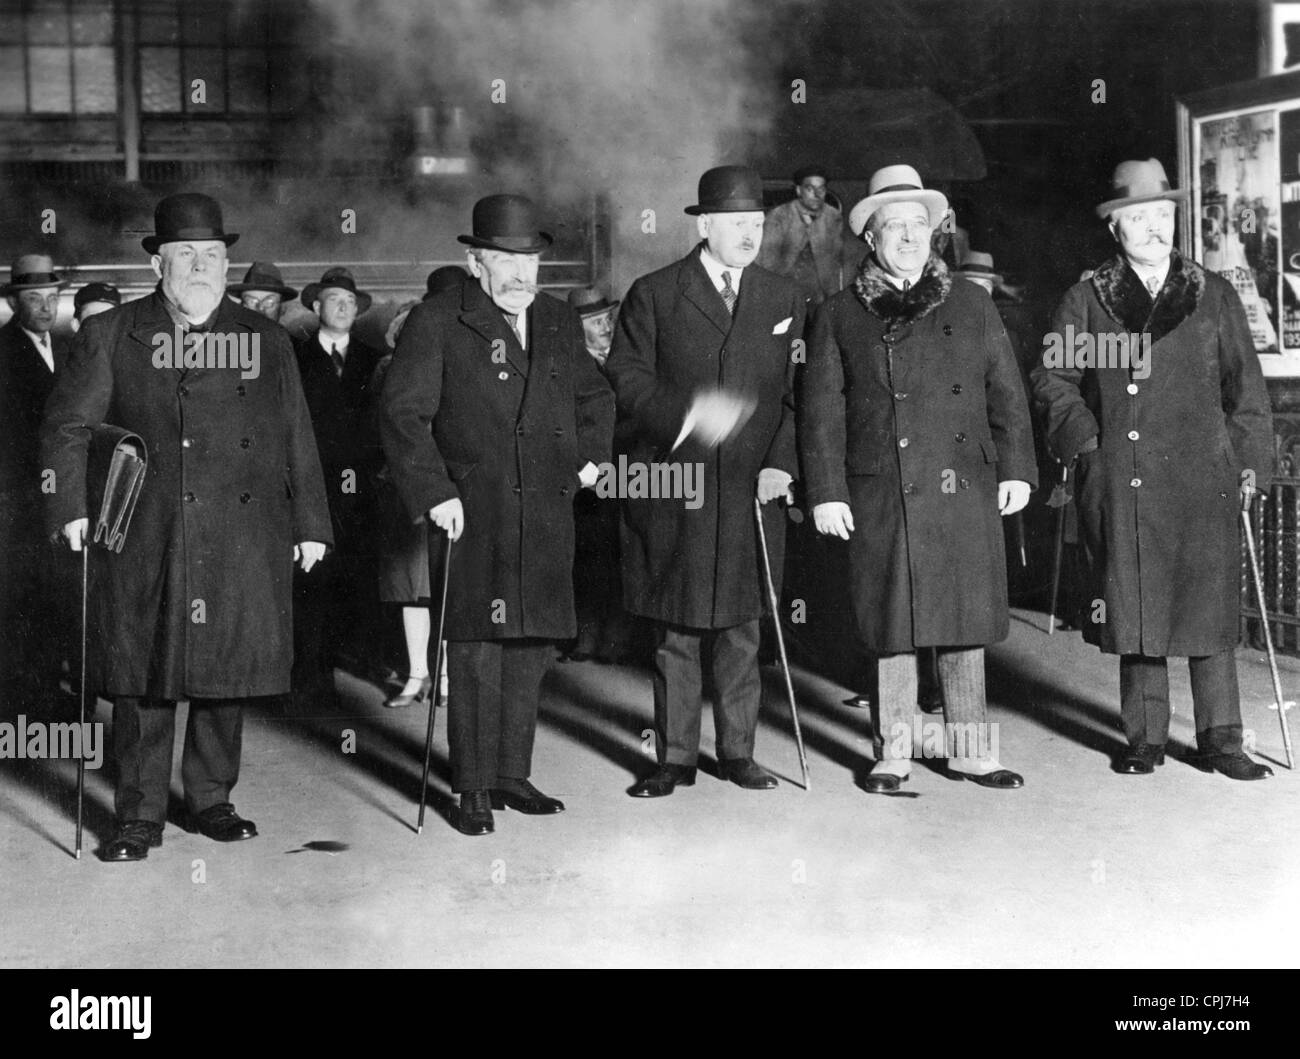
x=493, y=416
x=703, y=365
x=198, y=603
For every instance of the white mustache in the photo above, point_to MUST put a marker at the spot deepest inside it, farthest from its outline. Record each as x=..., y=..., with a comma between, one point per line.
x=522, y=288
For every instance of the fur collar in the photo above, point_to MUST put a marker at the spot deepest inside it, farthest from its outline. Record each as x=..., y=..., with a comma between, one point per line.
x=1124, y=297
x=898, y=309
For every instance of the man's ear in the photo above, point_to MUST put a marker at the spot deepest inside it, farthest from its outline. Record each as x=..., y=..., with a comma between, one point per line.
x=702, y=226
x=156, y=262
x=475, y=266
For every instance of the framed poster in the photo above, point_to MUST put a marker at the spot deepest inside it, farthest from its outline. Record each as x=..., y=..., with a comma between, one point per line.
x=1239, y=154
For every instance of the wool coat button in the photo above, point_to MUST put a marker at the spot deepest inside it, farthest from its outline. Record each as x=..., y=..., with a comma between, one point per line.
x=244, y=443
x=503, y=376
x=956, y=387
x=959, y=438
x=1135, y=482
x=186, y=443
x=900, y=396
x=189, y=498
x=947, y=329
x=964, y=483
x=902, y=443
x=1133, y=435
x=1132, y=387
x=244, y=498
x=241, y=390
x=184, y=391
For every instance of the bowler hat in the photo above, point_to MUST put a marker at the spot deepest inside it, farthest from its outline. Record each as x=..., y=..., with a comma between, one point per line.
x=1135, y=182
x=897, y=183
x=189, y=217
x=96, y=292
x=589, y=301
x=729, y=189
x=507, y=223
x=336, y=277
x=441, y=279
x=263, y=275
x=32, y=271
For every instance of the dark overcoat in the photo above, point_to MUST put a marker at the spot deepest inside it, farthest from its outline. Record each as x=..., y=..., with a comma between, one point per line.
x=700, y=567
x=1158, y=500
x=466, y=412
x=198, y=602
x=25, y=385
x=912, y=410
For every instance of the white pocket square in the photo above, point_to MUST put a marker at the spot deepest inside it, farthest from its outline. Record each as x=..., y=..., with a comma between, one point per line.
x=783, y=326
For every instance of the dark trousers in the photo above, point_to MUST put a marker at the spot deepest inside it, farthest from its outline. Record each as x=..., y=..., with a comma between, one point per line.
x=1216, y=703
x=733, y=657
x=492, y=708
x=143, y=731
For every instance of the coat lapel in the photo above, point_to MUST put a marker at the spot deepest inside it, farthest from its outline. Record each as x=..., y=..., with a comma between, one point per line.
x=699, y=290
x=1127, y=302
x=482, y=317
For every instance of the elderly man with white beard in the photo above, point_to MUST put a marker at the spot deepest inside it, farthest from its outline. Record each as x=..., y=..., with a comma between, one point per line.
x=198, y=603
x=1165, y=446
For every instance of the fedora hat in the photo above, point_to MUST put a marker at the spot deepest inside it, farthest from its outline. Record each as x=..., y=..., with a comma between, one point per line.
x=96, y=292
x=897, y=183
x=589, y=301
x=1135, y=182
x=336, y=277
x=507, y=223
x=32, y=271
x=186, y=216
x=979, y=266
x=441, y=279
x=729, y=189
x=262, y=275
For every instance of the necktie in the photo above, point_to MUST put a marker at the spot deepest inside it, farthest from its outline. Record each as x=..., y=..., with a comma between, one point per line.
x=907, y=285
x=513, y=320
x=337, y=357
x=47, y=353
x=728, y=293
x=1153, y=285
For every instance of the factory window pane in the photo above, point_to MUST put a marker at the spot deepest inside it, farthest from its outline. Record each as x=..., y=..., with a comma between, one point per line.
x=204, y=64
x=94, y=80
x=11, y=28
x=248, y=74
x=92, y=22
x=47, y=22
x=50, y=79
x=247, y=22
x=13, y=81
x=159, y=24
x=203, y=22
x=288, y=83
x=160, y=80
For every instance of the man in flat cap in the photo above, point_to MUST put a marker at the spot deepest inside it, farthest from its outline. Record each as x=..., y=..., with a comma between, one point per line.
x=336, y=606
x=493, y=417
x=35, y=618
x=703, y=365
x=263, y=290
x=198, y=604
x=1168, y=429
x=915, y=438
x=804, y=239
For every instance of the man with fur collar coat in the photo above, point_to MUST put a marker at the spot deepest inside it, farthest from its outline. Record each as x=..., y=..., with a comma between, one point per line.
x=1150, y=384
x=914, y=437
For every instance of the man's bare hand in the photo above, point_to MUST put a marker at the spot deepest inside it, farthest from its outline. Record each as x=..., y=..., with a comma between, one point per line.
x=75, y=533
x=774, y=483
x=833, y=518
x=588, y=475
x=449, y=516
x=716, y=415
x=1012, y=496
x=308, y=554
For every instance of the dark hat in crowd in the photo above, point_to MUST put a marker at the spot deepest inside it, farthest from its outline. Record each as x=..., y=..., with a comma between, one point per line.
x=263, y=275
x=32, y=271
x=96, y=292
x=589, y=301
x=335, y=277
x=800, y=175
x=187, y=217
x=1135, y=182
x=729, y=189
x=507, y=223
x=444, y=278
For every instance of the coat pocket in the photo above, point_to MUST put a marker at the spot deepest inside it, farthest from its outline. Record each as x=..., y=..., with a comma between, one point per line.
x=989, y=450
x=458, y=472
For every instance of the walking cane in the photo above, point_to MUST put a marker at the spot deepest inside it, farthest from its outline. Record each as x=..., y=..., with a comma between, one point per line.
x=1058, y=499
x=780, y=643
x=1278, y=703
x=81, y=759
x=437, y=679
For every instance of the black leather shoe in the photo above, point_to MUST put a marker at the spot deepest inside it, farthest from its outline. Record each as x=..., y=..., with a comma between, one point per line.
x=1235, y=766
x=882, y=783
x=523, y=797
x=475, y=816
x=222, y=824
x=930, y=701
x=1000, y=779
x=1141, y=760
x=744, y=773
x=861, y=701
x=664, y=780
x=132, y=841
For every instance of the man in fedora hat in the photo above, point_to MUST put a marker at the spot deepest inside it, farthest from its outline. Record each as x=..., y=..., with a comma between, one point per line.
x=35, y=613
x=915, y=438
x=493, y=417
x=336, y=607
x=1169, y=432
x=804, y=239
x=263, y=290
x=703, y=364
x=198, y=604
x=597, y=314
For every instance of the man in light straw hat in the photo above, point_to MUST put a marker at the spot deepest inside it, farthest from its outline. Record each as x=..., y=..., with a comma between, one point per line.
x=915, y=438
x=1170, y=432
